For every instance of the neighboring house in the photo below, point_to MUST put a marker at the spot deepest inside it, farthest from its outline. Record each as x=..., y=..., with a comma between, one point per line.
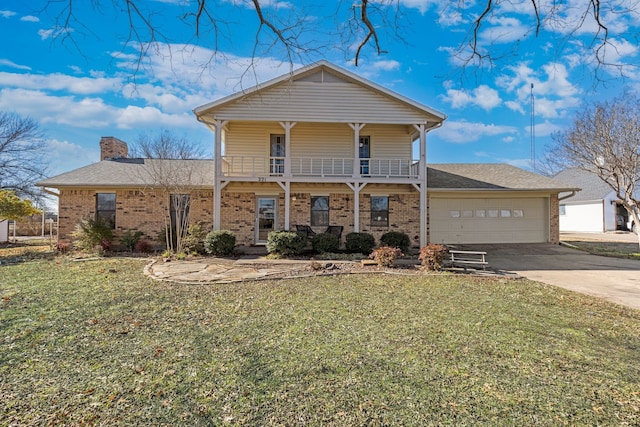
x=594, y=209
x=4, y=231
x=322, y=147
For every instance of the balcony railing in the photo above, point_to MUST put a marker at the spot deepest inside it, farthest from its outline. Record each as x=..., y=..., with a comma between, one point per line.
x=309, y=167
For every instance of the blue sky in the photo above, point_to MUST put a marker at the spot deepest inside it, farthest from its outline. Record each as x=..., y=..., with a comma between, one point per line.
x=87, y=82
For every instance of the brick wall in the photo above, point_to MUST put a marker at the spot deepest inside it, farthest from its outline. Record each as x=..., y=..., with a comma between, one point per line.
x=237, y=214
x=404, y=216
x=554, y=220
x=111, y=147
x=138, y=210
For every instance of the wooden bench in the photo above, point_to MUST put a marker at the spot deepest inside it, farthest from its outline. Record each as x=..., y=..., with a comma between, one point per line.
x=468, y=257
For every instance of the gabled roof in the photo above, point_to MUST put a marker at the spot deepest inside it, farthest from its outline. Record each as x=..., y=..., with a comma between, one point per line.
x=489, y=176
x=593, y=188
x=134, y=173
x=304, y=72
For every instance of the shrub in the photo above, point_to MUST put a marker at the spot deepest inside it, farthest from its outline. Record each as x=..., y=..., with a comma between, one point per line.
x=396, y=239
x=385, y=256
x=360, y=242
x=220, y=242
x=144, y=246
x=432, y=255
x=325, y=242
x=194, y=240
x=286, y=243
x=63, y=247
x=92, y=233
x=130, y=239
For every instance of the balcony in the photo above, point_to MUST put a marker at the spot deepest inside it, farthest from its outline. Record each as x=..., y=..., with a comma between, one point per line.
x=314, y=167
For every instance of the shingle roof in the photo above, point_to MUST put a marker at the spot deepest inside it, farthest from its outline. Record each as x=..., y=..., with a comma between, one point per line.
x=489, y=176
x=593, y=188
x=139, y=173
x=125, y=172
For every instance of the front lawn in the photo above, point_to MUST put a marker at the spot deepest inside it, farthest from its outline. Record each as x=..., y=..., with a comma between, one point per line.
x=96, y=343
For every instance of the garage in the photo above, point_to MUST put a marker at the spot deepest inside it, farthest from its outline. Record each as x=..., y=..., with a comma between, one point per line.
x=492, y=203
x=489, y=220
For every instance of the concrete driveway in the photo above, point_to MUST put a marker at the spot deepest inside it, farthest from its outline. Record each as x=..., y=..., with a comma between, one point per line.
x=614, y=279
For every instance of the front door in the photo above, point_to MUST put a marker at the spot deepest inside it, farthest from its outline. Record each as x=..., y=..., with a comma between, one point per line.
x=364, y=154
x=266, y=217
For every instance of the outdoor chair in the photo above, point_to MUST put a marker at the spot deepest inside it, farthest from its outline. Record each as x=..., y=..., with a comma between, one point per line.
x=336, y=230
x=306, y=230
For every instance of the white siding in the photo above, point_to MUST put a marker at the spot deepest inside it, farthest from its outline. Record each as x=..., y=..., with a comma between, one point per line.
x=326, y=101
x=585, y=217
x=317, y=140
x=4, y=231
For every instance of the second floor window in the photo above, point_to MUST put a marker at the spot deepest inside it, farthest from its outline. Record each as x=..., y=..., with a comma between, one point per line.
x=106, y=208
x=364, y=153
x=320, y=210
x=276, y=154
x=379, y=211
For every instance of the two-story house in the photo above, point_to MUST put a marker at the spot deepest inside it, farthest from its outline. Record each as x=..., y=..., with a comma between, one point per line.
x=321, y=147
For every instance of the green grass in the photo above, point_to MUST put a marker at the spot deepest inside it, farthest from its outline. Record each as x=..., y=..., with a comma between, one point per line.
x=95, y=343
x=611, y=249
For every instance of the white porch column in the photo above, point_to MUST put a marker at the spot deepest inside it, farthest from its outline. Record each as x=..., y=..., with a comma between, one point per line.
x=422, y=162
x=218, y=184
x=286, y=186
x=287, y=148
x=356, y=187
x=357, y=127
x=422, y=189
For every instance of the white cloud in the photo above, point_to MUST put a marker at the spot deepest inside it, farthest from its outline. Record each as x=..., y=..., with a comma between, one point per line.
x=53, y=32
x=7, y=13
x=462, y=131
x=30, y=18
x=546, y=128
x=504, y=30
x=483, y=96
x=64, y=155
x=421, y=5
x=12, y=64
x=61, y=82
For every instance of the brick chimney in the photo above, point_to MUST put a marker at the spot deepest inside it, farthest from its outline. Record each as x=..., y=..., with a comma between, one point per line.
x=111, y=148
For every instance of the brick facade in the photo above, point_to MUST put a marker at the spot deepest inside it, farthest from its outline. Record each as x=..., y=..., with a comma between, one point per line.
x=146, y=211
x=111, y=148
x=137, y=210
x=554, y=220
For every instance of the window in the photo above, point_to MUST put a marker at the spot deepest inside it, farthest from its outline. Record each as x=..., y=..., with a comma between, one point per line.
x=379, y=211
x=179, y=211
x=563, y=209
x=364, y=154
x=106, y=207
x=277, y=154
x=480, y=213
x=320, y=210
x=518, y=213
x=505, y=213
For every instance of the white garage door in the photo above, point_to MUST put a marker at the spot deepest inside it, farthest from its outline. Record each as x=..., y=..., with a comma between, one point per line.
x=513, y=220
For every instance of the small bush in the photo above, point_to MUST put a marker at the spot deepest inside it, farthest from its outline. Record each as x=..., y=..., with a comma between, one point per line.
x=194, y=240
x=325, y=242
x=360, y=242
x=385, y=256
x=130, y=239
x=432, y=255
x=286, y=243
x=396, y=239
x=144, y=246
x=92, y=234
x=220, y=242
x=63, y=247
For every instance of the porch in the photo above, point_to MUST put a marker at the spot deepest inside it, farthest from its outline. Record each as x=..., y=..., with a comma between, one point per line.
x=317, y=167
